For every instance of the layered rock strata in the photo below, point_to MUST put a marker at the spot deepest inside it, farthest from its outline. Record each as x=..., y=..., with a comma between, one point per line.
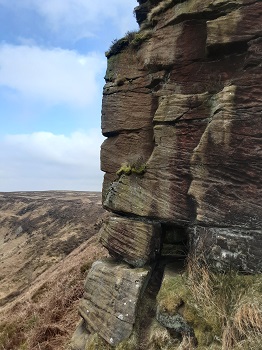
x=182, y=101
x=135, y=242
x=111, y=294
x=194, y=88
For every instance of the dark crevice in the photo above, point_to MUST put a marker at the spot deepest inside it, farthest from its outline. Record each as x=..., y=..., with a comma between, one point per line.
x=122, y=91
x=174, y=243
x=148, y=218
x=124, y=131
x=185, y=121
x=221, y=50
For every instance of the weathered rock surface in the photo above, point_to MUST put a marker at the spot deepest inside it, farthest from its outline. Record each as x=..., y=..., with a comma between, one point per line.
x=183, y=102
x=175, y=322
x=227, y=247
x=79, y=337
x=194, y=85
x=112, y=292
x=136, y=242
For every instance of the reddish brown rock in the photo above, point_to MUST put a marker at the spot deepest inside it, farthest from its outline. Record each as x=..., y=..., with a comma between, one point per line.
x=167, y=178
x=239, y=25
x=226, y=164
x=129, y=111
x=136, y=242
x=126, y=149
x=126, y=92
x=185, y=42
x=199, y=80
x=182, y=96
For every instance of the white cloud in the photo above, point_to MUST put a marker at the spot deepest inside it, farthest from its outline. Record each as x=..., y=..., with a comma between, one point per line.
x=53, y=76
x=77, y=13
x=42, y=161
x=80, y=17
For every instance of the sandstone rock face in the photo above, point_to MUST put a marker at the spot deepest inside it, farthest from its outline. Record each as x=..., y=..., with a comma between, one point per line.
x=111, y=294
x=136, y=242
x=189, y=105
x=183, y=156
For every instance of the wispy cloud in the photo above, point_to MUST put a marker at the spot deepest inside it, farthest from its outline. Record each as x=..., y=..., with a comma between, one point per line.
x=92, y=13
x=79, y=17
x=51, y=78
x=42, y=161
x=55, y=76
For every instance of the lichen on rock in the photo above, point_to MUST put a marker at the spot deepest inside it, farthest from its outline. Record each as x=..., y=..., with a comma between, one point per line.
x=184, y=95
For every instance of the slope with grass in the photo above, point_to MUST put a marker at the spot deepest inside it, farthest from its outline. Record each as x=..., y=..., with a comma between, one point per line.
x=48, y=242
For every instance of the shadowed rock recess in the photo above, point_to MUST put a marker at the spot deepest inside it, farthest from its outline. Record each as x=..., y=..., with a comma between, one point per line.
x=182, y=160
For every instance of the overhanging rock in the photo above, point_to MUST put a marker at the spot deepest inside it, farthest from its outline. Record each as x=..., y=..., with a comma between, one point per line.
x=136, y=242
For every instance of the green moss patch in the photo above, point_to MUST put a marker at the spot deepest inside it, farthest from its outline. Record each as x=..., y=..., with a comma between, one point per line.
x=223, y=309
x=128, y=169
x=172, y=294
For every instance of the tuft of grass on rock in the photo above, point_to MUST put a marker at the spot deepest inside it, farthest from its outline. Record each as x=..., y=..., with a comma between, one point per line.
x=161, y=7
x=132, y=38
x=137, y=167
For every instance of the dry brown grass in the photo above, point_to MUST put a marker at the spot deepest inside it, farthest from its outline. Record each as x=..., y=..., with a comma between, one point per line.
x=163, y=5
x=229, y=303
x=159, y=338
x=46, y=316
x=46, y=323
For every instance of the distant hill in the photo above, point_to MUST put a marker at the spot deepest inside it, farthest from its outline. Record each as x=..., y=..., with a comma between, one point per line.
x=47, y=242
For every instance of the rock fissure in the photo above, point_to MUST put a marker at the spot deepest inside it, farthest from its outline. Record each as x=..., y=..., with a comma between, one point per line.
x=192, y=122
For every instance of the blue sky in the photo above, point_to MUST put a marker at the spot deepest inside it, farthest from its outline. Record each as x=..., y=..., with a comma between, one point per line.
x=52, y=66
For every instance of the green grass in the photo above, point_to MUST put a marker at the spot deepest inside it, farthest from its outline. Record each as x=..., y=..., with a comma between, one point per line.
x=224, y=309
x=133, y=39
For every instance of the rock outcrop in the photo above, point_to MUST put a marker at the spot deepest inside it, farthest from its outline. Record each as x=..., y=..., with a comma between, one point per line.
x=183, y=158
x=111, y=294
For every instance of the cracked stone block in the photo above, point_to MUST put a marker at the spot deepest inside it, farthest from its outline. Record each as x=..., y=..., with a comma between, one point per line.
x=227, y=247
x=79, y=338
x=109, y=304
x=136, y=242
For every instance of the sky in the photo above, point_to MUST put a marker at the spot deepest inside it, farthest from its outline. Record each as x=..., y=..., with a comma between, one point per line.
x=52, y=68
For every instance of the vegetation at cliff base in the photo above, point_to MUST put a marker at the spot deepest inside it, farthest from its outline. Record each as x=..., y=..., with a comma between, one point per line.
x=223, y=309
x=45, y=317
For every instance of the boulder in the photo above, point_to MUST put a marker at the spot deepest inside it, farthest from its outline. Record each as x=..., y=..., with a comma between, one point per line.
x=110, y=299
x=136, y=242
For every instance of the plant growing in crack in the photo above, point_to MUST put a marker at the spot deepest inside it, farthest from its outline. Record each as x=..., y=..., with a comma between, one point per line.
x=137, y=167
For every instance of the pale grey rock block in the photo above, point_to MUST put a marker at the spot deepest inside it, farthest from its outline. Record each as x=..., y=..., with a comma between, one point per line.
x=226, y=247
x=112, y=292
x=79, y=338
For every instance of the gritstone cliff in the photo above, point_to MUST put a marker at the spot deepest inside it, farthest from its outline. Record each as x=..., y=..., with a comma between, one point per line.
x=182, y=160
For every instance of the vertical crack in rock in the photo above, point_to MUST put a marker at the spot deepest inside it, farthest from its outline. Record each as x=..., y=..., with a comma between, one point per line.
x=183, y=158
x=112, y=292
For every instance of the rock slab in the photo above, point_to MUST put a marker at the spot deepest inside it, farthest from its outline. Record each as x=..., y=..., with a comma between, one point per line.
x=111, y=294
x=136, y=242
